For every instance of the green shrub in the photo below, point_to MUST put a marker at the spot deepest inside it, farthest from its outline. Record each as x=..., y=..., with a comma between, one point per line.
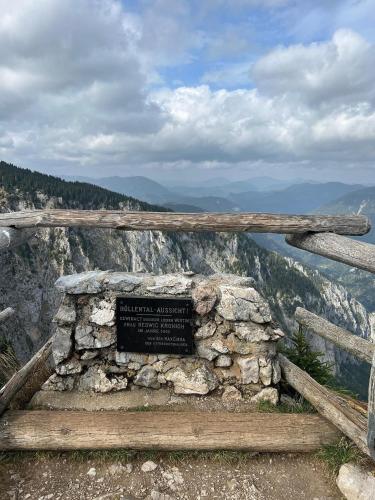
x=301, y=354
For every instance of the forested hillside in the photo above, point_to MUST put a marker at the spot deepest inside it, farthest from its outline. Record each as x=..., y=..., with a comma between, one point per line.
x=15, y=180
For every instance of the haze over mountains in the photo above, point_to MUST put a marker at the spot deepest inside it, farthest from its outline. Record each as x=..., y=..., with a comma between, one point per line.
x=260, y=194
x=265, y=194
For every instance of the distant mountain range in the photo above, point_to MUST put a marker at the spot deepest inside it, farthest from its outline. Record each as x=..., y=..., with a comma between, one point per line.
x=232, y=197
x=360, y=283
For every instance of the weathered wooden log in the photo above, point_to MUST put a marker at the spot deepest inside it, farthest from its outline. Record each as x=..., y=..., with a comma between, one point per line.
x=371, y=411
x=11, y=237
x=165, y=221
x=361, y=348
x=7, y=313
x=329, y=404
x=336, y=247
x=18, y=380
x=72, y=430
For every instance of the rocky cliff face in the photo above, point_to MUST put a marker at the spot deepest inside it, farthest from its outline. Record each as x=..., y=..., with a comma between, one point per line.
x=28, y=272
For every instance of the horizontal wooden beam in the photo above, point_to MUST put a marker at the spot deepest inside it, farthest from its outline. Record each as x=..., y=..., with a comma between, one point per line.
x=371, y=410
x=72, y=430
x=336, y=247
x=359, y=347
x=11, y=237
x=20, y=378
x=169, y=221
x=6, y=314
x=329, y=404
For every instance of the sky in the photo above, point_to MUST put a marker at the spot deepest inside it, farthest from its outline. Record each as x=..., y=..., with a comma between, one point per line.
x=187, y=91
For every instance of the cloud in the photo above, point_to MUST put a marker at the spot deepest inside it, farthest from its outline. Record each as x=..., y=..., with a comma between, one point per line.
x=56, y=67
x=340, y=70
x=79, y=85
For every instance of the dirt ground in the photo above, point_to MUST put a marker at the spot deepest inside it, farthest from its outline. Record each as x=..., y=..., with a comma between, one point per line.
x=214, y=475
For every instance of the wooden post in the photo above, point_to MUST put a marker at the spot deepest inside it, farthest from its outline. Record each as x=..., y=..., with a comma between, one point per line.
x=10, y=237
x=170, y=221
x=7, y=313
x=359, y=347
x=18, y=380
x=351, y=422
x=352, y=252
x=371, y=411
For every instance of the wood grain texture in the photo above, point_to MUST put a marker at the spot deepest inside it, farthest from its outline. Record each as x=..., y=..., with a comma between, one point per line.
x=371, y=411
x=6, y=314
x=361, y=348
x=329, y=404
x=336, y=247
x=19, y=379
x=165, y=221
x=10, y=237
x=72, y=430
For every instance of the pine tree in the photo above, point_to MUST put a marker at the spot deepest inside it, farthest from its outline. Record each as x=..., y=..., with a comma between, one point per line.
x=308, y=360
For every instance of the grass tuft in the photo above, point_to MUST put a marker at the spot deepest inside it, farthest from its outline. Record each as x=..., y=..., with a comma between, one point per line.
x=299, y=405
x=339, y=453
x=9, y=364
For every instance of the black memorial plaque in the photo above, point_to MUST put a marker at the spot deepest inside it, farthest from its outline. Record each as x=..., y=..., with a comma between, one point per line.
x=154, y=325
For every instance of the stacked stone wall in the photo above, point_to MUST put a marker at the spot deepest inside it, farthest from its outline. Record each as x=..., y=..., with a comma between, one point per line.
x=234, y=335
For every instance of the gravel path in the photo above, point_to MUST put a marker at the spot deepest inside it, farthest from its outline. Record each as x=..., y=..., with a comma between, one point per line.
x=220, y=475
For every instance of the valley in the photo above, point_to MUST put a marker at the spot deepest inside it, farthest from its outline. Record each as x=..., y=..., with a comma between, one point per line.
x=30, y=271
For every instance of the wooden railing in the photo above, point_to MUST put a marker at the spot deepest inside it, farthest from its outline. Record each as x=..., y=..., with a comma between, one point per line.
x=320, y=234
x=329, y=404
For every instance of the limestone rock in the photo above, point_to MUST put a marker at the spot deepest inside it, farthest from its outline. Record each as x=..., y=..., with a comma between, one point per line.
x=104, y=336
x=231, y=393
x=251, y=332
x=205, y=331
x=234, y=344
x=170, y=363
x=123, y=358
x=122, y=282
x=269, y=394
x=147, y=377
x=243, y=304
x=204, y=298
x=91, y=354
x=66, y=314
x=104, y=314
x=62, y=344
x=171, y=284
x=83, y=337
x=95, y=379
x=218, y=345
x=199, y=381
x=91, y=472
x=205, y=351
x=233, y=279
x=276, y=371
x=58, y=383
x=356, y=484
x=88, y=282
x=223, y=361
x=69, y=367
x=149, y=466
x=265, y=371
x=277, y=334
x=249, y=368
